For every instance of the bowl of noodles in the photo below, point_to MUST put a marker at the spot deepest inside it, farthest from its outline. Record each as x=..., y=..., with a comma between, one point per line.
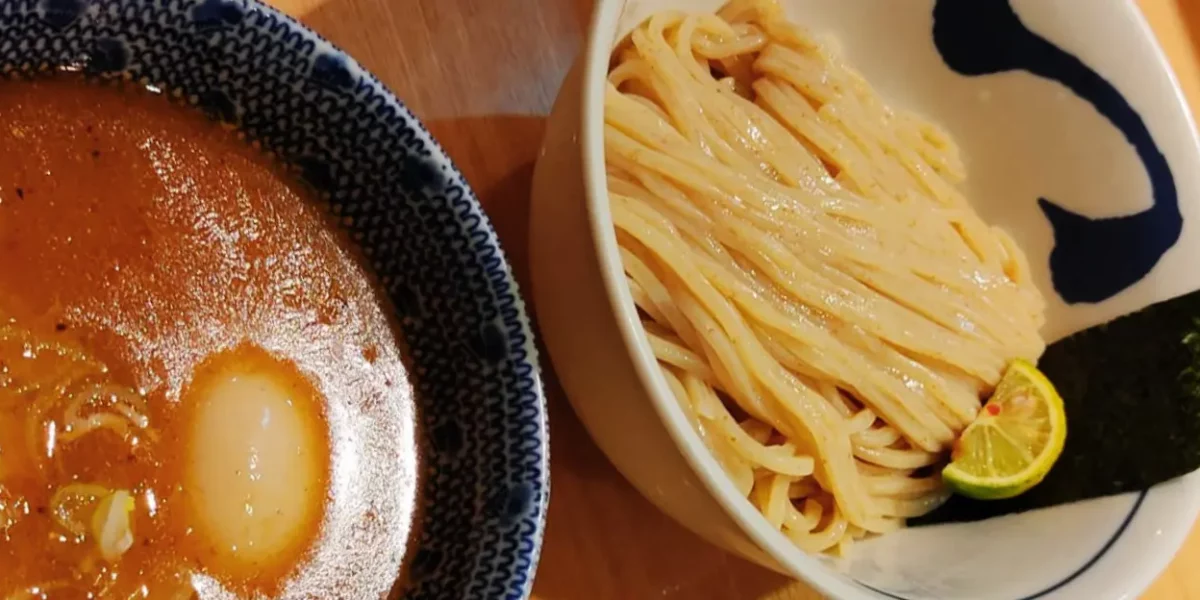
x=784, y=251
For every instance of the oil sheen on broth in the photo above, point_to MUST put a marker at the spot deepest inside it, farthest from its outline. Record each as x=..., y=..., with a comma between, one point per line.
x=200, y=391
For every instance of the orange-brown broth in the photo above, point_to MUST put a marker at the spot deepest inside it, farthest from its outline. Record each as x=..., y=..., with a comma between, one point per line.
x=156, y=240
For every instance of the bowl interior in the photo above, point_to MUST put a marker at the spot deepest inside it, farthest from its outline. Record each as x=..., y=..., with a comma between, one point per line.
x=419, y=226
x=1087, y=158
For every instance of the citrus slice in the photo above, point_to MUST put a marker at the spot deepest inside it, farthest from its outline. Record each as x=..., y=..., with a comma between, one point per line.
x=1013, y=442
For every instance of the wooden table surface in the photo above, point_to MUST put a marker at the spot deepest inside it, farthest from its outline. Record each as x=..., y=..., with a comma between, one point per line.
x=483, y=75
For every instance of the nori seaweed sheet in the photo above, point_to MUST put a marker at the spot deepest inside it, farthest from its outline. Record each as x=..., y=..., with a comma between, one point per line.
x=1131, y=389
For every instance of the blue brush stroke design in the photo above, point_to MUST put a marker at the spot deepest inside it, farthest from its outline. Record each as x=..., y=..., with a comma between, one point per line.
x=330, y=71
x=1076, y=574
x=1093, y=259
x=108, y=56
x=212, y=15
x=61, y=14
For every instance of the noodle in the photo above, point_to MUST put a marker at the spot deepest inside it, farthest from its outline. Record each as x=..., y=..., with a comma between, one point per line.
x=824, y=303
x=60, y=373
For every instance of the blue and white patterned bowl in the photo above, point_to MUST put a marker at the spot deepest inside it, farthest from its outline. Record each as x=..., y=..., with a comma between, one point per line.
x=1077, y=141
x=416, y=219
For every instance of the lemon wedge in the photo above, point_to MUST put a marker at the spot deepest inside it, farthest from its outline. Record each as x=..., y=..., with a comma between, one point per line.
x=1013, y=442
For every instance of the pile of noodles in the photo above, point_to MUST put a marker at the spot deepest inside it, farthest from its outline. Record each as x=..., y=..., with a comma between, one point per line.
x=822, y=299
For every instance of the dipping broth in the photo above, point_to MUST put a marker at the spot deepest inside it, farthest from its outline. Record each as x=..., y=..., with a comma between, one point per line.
x=201, y=392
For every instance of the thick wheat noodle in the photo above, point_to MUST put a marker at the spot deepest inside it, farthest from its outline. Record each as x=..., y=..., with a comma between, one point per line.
x=825, y=305
x=782, y=459
x=813, y=284
x=881, y=437
x=948, y=277
x=898, y=486
x=931, y=433
x=739, y=470
x=807, y=416
x=809, y=284
x=672, y=353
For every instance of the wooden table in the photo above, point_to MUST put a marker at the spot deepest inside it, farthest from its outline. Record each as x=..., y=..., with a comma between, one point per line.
x=483, y=74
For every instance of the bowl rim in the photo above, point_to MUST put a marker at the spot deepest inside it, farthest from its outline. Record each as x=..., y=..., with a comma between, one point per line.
x=602, y=31
x=518, y=577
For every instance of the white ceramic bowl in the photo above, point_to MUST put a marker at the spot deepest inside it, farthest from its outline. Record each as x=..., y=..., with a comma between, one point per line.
x=1024, y=136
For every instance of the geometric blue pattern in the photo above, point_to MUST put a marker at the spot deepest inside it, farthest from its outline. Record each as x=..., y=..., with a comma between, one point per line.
x=420, y=227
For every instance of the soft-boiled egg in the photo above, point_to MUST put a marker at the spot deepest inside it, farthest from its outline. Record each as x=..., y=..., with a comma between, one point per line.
x=257, y=462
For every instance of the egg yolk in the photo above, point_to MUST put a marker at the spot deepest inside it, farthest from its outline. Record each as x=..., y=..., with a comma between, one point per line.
x=257, y=463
